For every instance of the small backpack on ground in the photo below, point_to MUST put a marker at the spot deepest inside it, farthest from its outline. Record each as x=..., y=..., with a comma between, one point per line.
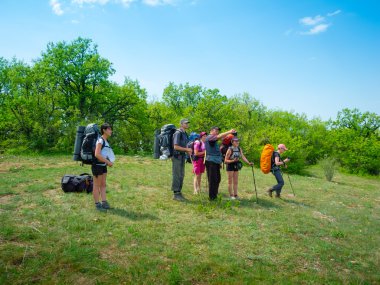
x=192, y=138
x=91, y=135
x=266, y=158
x=165, y=141
x=77, y=183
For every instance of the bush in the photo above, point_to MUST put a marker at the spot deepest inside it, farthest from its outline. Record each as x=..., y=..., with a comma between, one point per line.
x=328, y=165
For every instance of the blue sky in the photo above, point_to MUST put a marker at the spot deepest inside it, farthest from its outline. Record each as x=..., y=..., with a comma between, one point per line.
x=312, y=57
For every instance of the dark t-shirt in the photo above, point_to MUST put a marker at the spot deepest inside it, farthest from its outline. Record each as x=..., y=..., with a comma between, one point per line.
x=180, y=138
x=275, y=154
x=213, y=153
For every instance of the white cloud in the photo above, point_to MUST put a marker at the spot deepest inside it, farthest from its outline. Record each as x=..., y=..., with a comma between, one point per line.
x=81, y=2
x=310, y=21
x=158, y=2
x=74, y=22
x=317, y=29
x=334, y=13
x=56, y=6
x=126, y=3
x=318, y=23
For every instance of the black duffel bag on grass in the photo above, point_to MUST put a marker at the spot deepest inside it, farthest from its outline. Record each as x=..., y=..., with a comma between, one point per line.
x=77, y=183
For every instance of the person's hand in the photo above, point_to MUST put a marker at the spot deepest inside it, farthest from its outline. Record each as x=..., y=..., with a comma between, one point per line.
x=286, y=160
x=189, y=151
x=250, y=163
x=236, y=159
x=110, y=164
x=232, y=131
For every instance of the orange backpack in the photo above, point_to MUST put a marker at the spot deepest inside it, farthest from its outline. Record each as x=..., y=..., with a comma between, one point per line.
x=266, y=158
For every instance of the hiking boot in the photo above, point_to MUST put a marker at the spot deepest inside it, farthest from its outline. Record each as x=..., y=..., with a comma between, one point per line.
x=105, y=205
x=99, y=207
x=269, y=191
x=278, y=195
x=179, y=197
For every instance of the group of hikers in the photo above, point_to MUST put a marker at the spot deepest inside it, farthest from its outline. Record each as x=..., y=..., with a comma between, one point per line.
x=206, y=156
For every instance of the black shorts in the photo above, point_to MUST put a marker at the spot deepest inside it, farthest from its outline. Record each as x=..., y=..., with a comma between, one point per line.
x=98, y=170
x=232, y=166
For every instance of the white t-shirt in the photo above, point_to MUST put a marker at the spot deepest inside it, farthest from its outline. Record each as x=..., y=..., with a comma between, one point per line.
x=106, y=151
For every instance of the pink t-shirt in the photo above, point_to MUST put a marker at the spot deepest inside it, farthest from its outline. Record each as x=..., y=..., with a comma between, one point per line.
x=199, y=146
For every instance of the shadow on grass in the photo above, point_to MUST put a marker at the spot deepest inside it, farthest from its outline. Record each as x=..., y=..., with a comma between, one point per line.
x=226, y=203
x=265, y=203
x=131, y=215
x=296, y=203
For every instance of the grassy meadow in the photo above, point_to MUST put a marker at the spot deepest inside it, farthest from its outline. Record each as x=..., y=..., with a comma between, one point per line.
x=329, y=233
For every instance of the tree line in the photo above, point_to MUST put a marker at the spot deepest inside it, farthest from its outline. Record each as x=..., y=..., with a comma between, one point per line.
x=69, y=85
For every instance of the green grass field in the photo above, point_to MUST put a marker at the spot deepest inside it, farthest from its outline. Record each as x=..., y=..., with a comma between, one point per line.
x=329, y=233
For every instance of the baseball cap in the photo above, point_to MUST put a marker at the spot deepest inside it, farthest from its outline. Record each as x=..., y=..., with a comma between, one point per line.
x=184, y=121
x=235, y=139
x=202, y=134
x=281, y=145
x=215, y=128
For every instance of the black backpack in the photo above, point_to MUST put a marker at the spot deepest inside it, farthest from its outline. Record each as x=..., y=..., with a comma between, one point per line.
x=77, y=183
x=165, y=141
x=90, y=136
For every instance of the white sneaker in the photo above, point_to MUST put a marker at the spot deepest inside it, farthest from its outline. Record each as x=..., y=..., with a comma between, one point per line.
x=232, y=198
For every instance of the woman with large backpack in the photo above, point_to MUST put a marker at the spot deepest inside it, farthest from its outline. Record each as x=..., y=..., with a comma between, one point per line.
x=232, y=160
x=198, y=161
x=103, y=154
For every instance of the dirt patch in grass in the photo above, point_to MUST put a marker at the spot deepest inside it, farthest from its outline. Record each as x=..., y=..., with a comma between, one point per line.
x=5, y=199
x=319, y=215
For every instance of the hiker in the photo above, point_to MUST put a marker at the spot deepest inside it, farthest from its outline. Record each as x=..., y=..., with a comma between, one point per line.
x=198, y=161
x=232, y=160
x=213, y=160
x=180, y=140
x=277, y=162
x=99, y=168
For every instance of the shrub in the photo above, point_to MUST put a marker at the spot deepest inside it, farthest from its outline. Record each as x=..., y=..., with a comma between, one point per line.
x=328, y=165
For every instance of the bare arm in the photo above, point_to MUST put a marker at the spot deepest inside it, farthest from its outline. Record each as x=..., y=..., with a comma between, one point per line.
x=228, y=155
x=244, y=158
x=222, y=135
x=183, y=149
x=279, y=162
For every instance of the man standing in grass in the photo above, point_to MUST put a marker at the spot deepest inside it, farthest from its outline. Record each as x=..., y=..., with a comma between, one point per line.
x=180, y=140
x=276, y=170
x=214, y=160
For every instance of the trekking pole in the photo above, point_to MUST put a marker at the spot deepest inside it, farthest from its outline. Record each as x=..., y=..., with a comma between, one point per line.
x=290, y=182
x=254, y=182
x=291, y=186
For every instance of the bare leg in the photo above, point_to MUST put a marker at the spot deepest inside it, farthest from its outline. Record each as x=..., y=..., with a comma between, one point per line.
x=230, y=181
x=103, y=186
x=235, y=178
x=195, y=184
x=96, y=188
